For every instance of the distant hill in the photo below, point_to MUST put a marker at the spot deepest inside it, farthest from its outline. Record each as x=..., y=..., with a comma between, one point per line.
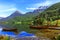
x=1, y=17
x=16, y=13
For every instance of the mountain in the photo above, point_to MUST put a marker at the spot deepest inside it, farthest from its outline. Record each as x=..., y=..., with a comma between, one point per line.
x=28, y=14
x=40, y=9
x=37, y=11
x=16, y=13
x=52, y=11
x=50, y=14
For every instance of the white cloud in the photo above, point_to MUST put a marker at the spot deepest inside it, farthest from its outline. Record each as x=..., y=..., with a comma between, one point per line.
x=54, y=1
x=6, y=10
x=35, y=6
x=46, y=3
x=31, y=8
x=3, y=16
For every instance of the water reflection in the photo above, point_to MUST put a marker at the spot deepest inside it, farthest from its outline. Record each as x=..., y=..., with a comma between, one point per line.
x=12, y=34
x=1, y=28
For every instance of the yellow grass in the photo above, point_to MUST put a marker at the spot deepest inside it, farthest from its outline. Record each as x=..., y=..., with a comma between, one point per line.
x=47, y=33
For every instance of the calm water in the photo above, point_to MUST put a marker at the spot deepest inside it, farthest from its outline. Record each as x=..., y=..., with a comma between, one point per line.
x=12, y=34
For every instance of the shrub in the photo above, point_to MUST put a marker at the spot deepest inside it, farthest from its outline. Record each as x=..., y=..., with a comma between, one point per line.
x=58, y=37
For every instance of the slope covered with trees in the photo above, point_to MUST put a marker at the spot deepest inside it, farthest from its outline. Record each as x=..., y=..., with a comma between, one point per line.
x=49, y=15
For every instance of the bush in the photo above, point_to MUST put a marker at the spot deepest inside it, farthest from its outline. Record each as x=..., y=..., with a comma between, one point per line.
x=58, y=37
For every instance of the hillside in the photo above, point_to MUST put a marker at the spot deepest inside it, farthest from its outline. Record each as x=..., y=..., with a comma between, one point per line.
x=50, y=14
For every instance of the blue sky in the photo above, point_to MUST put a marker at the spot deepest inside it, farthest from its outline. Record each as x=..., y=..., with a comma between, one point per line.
x=7, y=7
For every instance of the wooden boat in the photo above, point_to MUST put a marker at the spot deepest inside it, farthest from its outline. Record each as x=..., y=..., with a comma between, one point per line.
x=10, y=29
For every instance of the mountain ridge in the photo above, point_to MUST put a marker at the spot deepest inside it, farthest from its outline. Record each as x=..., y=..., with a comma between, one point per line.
x=17, y=13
